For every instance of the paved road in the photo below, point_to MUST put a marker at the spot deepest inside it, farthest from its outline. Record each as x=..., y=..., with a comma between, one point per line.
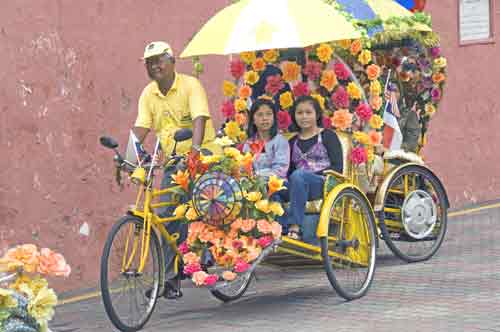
x=457, y=290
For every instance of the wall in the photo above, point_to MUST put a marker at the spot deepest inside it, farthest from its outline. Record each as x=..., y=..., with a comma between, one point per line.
x=70, y=72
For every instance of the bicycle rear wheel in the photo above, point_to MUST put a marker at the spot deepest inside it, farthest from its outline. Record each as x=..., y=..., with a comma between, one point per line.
x=123, y=287
x=232, y=290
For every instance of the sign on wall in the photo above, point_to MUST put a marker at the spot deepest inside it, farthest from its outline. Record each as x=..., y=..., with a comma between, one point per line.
x=474, y=20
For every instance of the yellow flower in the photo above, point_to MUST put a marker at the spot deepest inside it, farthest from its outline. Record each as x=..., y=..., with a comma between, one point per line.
x=353, y=90
x=345, y=44
x=370, y=153
x=320, y=99
x=240, y=105
x=232, y=130
x=430, y=109
x=6, y=299
x=180, y=211
x=286, y=100
x=259, y=64
x=361, y=137
x=440, y=62
x=376, y=121
x=274, y=184
x=263, y=205
x=328, y=80
x=224, y=141
x=191, y=214
x=324, y=53
x=242, y=136
x=375, y=88
x=276, y=208
x=229, y=89
x=365, y=57
x=271, y=55
x=251, y=77
x=253, y=196
x=213, y=158
x=248, y=57
x=41, y=306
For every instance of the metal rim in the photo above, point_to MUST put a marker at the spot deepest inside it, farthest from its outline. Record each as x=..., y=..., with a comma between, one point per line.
x=419, y=214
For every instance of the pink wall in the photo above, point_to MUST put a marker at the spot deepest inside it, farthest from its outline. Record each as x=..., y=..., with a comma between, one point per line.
x=70, y=72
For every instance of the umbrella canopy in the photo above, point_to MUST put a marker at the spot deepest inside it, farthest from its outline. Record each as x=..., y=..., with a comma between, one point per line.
x=364, y=10
x=252, y=25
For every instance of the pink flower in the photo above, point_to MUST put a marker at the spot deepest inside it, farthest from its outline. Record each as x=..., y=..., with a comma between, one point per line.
x=264, y=226
x=340, y=98
x=341, y=71
x=300, y=89
x=274, y=84
x=183, y=248
x=52, y=263
x=436, y=94
x=241, y=266
x=199, y=278
x=228, y=109
x=192, y=268
x=191, y=258
x=364, y=112
x=265, y=241
x=358, y=155
x=238, y=68
x=276, y=229
x=211, y=279
x=435, y=51
x=284, y=120
x=237, y=244
x=327, y=122
x=313, y=70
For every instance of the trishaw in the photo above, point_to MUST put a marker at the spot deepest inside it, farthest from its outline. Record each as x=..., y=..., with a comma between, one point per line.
x=403, y=202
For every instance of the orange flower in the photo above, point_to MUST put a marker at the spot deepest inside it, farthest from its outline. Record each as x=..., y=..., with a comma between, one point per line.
x=248, y=57
x=438, y=78
x=286, y=100
x=240, y=105
x=26, y=254
x=324, y=53
x=274, y=184
x=328, y=80
x=354, y=91
x=376, y=102
x=247, y=163
x=264, y=226
x=236, y=225
x=342, y=119
x=375, y=137
x=245, y=92
x=259, y=64
x=53, y=263
x=182, y=179
x=229, y=89
x=247, y=225
x=228, y=275
x=271, y=55
x=356, y=47
x=241, y=118
x=373, y=72
x=291, y=71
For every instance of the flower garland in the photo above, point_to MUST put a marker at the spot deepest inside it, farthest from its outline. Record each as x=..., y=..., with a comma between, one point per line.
x=28, y=300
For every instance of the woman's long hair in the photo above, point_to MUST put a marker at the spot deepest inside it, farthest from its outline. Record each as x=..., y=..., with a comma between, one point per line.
x=252, y=128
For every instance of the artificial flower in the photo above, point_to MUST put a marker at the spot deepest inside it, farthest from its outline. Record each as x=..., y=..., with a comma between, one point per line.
x=183, y=248
x=345, y=44
x=356, y=47
x=342, y=119
x=252, y=254
x=320, y=99
x=300, y=89
x=373, y=71
x=340, y=98
x=248, y=57
x=358, y=155
x=52, y=263
x=274, y=184
x=229, y=275
x=240, y=105
x=364, y=112
x=271, y=55
x=191, y=268
x=191, y=258
x=265, y=241
x=286, y=100
x=264, y=226
x=253, y=196
x=375, y=88
x=291, y=71
x=41, y=306
x=276, y=229
x=237, y=69
x=223, y=141
x=256, y=146
x=376, y=121
x=263, y=206
x=191, y=214
x=328, y=80
x=228, y=88
x=438, y=78
x=375, y=137
x=327, y=122
x=354, y=91
x=181, y=210
x=26, y=254
x=259, y=64
x=247, y=225
x=182, y=179
x=241, y=266
x=6, y=299
x=324, y=53
x=312, y=70
x=199, y=278
x=232, y=130
x=436, y=94
x=435, y=51
x=242, y=136
x=211, y=279
x=276, y=209
x=241, y=118
x=274, y=84
x=284, y=120
x=233, y=153
x=361, y=137
x=245, y=91
x=440, y=62
x=376, y=102
x=370, y=154
x=430, y=109
x=251, y=77
x=227, y=109
x=365, y=57
x=341, y=71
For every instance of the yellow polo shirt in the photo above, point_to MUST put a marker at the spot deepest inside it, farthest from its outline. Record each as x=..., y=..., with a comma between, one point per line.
x=165, y=114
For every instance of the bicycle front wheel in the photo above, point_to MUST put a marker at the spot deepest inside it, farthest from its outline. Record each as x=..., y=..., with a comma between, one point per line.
x=129, y=295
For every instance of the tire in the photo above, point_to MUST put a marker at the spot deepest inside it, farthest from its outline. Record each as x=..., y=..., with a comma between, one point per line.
x=355, y=226
x=225, y=294
x=132, y=287
x=430, y=195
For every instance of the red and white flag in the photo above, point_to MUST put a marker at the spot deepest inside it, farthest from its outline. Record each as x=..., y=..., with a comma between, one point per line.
x=392, y=133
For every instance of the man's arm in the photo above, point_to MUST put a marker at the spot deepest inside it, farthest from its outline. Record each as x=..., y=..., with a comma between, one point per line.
x=198, y=132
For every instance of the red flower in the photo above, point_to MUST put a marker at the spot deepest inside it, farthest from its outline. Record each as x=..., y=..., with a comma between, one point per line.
x=284, y=120
x=195, y=166
x=211, y=279
x=265, y=241
x=301, y=89
x=256, y=146
x=241, y=266
x=364, y=112
x=313, y=70
x=227, y=109
x=358, y=155
x=238, y=68
x=340, y=98
x=192, y=268
x=274, y=84
x=341, y=71
x=327, y=122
